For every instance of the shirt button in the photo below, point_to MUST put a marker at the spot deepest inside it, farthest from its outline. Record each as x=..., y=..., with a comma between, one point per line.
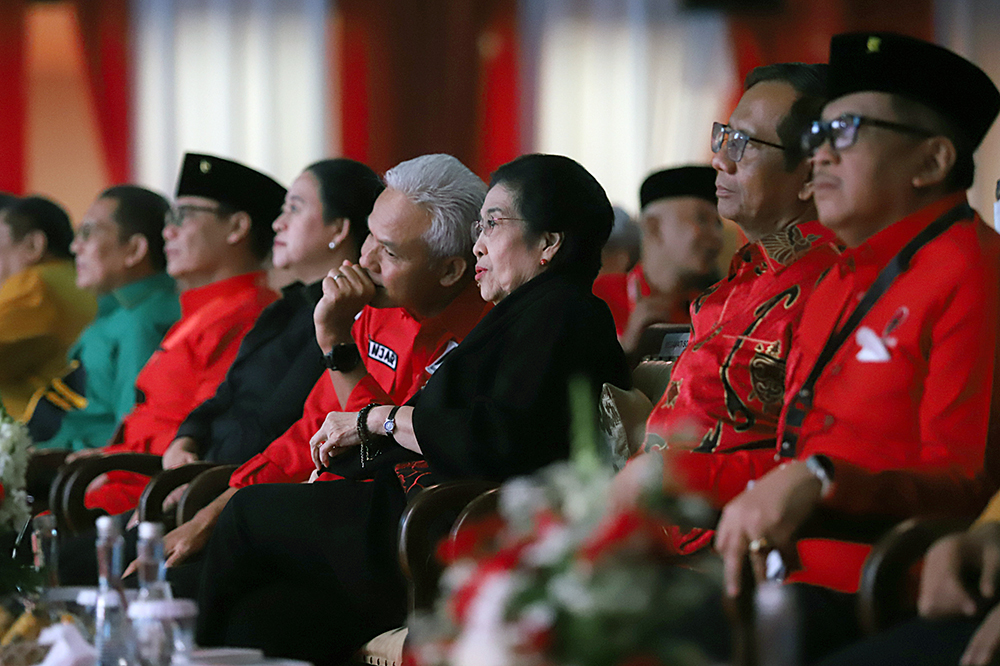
x=836, y=369
x=829, y=421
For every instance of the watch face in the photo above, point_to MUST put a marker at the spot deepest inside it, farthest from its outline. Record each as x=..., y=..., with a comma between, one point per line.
x=390, y=427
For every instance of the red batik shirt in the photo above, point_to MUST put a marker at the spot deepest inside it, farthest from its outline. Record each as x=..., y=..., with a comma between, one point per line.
x=400, y=353
x=621, y=291
x=902, y=408
x=720, y=411
x=184, y=372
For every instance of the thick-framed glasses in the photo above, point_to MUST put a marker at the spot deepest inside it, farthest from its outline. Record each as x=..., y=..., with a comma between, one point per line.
x=736, y=143
x=486, y=227
x=842, y=131
x=177, y=215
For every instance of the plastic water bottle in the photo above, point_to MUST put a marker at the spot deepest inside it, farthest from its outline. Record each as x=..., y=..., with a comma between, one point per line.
x=113, y=632
x=45, y=548
x=151, y=563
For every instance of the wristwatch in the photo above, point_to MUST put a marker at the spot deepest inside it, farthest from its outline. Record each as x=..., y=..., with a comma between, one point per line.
x=822, y=468
x=342, y=358
x=390, y=424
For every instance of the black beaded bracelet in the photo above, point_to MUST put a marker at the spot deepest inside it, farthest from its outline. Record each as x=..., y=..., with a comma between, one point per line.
x=364, y=434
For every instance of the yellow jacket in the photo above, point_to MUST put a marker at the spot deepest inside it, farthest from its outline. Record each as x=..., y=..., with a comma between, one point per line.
x=42, y=312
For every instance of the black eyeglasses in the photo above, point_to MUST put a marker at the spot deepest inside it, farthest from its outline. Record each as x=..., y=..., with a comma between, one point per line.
x=737, y=142
x=175, y=217
x=842, y=131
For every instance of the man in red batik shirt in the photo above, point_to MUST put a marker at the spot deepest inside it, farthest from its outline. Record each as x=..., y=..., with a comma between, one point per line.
x=417, y=300
x=719, y=414
x=681, y=239
x=216, y=238
x=892, y=422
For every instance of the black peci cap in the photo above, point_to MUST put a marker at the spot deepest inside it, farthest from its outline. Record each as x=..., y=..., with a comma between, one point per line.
x=233, y=184
x=918, y=70
x=686, y=181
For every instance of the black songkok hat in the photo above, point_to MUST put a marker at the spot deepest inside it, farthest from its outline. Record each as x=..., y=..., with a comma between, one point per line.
x=686, y=181
x=918, y=70
x=232, y=184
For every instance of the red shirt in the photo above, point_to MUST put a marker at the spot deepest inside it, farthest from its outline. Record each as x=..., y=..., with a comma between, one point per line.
x=727, y=388
x=621, y=291
x=902, y=408
x=400, y=353
x=187, y=369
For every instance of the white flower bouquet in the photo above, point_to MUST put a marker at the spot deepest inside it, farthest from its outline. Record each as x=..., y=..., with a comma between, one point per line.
x=559, y=579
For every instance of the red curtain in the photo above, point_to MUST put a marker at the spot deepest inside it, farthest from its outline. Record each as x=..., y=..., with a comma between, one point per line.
x=13, y=109
x=104, y=26
x=498, y=115
x=801, y=31
x=424, y=76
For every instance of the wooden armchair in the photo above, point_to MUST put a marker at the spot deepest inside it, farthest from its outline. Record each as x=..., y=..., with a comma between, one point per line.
x=884, y=595
x=66, y=494
x=43, y=466
x=434, y=514
x=205, y=481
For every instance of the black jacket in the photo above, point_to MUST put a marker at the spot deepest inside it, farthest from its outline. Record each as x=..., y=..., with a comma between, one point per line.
x=278, y=363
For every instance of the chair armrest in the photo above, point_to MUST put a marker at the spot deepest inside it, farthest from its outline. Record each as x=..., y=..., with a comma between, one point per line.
x=882, y=596
x=203, y=489
x=164, y=483
x=66, y=498
x=43, y=466
x=427, y=519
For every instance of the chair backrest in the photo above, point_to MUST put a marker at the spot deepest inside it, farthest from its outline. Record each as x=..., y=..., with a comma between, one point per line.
x=661, y=341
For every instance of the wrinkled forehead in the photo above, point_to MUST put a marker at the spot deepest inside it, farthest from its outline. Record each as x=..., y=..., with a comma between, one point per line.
x=762, y=108
x=396, y=220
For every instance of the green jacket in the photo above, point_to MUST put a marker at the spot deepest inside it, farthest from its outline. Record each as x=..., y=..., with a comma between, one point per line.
x=131, y=322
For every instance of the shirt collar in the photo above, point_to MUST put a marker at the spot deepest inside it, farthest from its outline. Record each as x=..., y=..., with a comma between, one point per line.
x=134, y=293
x=194, y=299
x=883, y=246
x=782, y=248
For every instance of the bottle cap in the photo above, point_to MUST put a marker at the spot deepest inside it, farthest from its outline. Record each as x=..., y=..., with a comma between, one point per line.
x=106, y=527
x=149, y=530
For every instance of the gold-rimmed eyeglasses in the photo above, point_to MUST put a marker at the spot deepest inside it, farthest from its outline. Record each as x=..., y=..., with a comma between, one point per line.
x=486, y=227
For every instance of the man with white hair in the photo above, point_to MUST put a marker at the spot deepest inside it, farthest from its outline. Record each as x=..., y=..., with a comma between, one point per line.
x=384, y=324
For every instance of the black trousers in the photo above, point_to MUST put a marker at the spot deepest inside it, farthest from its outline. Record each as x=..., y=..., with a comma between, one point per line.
x=915, y=643
x=306, y=571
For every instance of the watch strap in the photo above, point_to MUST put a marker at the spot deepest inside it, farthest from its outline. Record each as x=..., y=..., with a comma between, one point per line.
x=391, y=419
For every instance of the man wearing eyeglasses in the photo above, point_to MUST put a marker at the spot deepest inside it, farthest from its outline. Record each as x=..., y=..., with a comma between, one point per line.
x=719, y=414
x=118, y=250
x=215, y=241
x=891, y=376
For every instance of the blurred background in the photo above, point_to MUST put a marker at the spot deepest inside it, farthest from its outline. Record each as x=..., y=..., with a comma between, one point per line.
x=99, y=92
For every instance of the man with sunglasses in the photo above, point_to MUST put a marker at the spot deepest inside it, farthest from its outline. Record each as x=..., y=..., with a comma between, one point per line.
x=215, y=241
x=890, y=378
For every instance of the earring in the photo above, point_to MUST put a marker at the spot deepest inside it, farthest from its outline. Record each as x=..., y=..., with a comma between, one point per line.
x=333, y=245
x=543, y=262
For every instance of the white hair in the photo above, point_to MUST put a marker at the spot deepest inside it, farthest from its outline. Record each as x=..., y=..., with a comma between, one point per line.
x=450, y=191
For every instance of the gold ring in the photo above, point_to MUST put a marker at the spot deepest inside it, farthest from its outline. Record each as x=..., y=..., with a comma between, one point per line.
x=760, y=544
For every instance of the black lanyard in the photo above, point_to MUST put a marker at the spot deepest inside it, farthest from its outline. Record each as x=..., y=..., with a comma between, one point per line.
x=896, y=266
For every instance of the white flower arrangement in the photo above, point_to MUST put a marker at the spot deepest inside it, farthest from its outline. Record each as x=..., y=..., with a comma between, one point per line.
x=570, y=583
x=14, y=445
